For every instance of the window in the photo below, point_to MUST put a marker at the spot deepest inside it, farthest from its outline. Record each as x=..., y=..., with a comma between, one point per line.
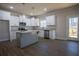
x=73, y=27
x=43, y=23
x=34, y=21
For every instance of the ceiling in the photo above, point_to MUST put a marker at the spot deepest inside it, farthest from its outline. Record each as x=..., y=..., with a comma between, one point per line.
x=34, y=8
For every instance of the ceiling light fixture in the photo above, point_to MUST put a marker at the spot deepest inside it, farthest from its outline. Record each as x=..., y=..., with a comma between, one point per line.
x=31, y=13
x=33, y=9
x=45, y=9
x=11, y=7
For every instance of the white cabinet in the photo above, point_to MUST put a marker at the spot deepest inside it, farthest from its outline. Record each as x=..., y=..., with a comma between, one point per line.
x=4, y=15
x=34, y=21
x=52, y=34
x=25, y=39
x=29, y=21
x=14, y=21
x=13, y=30
x=50, y=20
x=37, y=22
x=41, y=33
x=12, y=35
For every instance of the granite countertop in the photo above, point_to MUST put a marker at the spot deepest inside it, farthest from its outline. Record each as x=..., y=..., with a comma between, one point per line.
x=28, y=31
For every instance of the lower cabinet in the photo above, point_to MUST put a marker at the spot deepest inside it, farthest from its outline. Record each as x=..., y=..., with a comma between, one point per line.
x=25, y=39
x=47, y=34
x=13, y=30
x=12, y=35
x=52, y=34
x=41, y=33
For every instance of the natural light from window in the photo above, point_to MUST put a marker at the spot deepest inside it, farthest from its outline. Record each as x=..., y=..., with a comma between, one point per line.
x=43, y=23
x=73, y=27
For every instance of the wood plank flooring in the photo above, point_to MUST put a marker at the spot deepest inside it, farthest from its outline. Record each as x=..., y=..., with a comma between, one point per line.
x=41, y=48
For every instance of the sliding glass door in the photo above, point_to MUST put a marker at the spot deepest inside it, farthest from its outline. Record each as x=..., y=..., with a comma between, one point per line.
x=73, y=28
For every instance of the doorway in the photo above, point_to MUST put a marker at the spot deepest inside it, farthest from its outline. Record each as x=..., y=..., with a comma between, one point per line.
x=72, y=28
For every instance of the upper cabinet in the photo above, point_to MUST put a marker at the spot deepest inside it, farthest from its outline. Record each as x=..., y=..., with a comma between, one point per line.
x=4, y=15
x=29, y=21
x=50, y=20
x=34, y=21
x=14, y=21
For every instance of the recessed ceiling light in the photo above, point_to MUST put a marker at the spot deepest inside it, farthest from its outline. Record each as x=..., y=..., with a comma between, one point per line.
x=45, y=9
x=11, y=7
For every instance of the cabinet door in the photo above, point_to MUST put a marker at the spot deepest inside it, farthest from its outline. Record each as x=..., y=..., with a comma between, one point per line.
x=4, y=15
x=52, y=34
x=50, y=20
x=14, y=21
x=13, y=30
x=41, y=33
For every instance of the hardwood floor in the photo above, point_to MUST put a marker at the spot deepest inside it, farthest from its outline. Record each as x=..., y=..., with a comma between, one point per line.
x=41, y=48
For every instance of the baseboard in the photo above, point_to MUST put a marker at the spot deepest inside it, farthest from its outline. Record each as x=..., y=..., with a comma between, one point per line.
x=40, y=37
x=5, y=41
x=61, y=39
x=58, y=39
x=67, y=40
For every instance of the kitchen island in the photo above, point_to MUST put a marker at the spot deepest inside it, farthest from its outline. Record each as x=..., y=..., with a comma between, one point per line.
x=26, y=38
